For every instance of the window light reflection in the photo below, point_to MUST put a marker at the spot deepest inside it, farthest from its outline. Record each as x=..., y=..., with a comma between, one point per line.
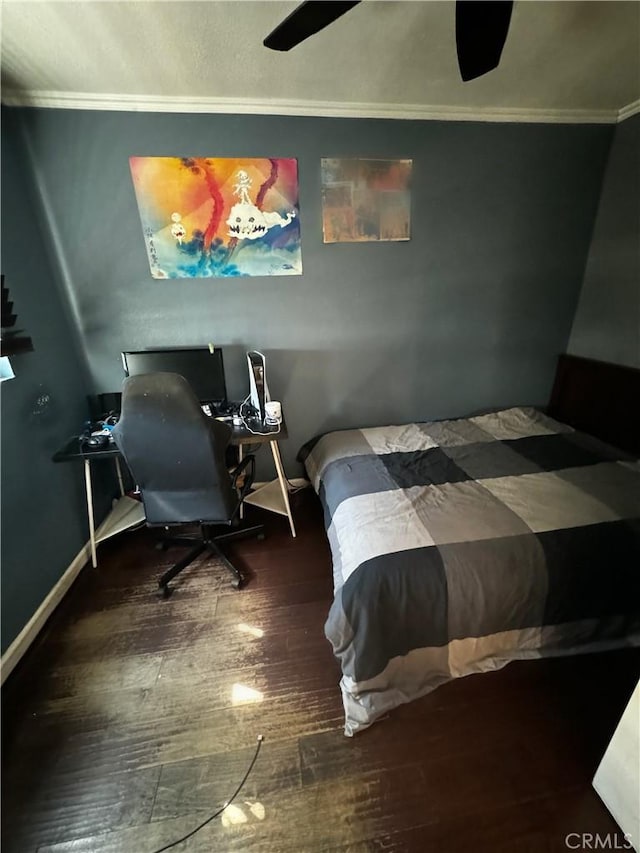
x=256, y=809
x=241, y=694
x=234, y=815
x=250, y=629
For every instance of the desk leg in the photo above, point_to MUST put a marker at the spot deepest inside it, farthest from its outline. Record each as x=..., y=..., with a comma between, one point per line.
x=119, y=473
x=92, y=529
x=240, y=455
x=283, y=483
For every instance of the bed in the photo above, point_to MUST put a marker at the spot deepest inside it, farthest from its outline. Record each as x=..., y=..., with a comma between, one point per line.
x=461, y=545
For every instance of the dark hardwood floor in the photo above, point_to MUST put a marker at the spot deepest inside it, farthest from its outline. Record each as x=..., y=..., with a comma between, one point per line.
x=131, y=720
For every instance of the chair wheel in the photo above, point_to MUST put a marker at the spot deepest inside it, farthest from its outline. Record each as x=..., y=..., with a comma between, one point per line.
x=236, y=583
x=164, y=592
x=260, y=536
x=161, y=546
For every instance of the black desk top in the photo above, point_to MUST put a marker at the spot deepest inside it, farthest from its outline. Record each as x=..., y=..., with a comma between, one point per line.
x=75, y=449
x=265, y=432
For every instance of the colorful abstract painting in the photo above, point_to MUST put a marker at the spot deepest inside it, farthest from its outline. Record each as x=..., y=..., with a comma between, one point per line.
x=365, y=200
x=211, y=216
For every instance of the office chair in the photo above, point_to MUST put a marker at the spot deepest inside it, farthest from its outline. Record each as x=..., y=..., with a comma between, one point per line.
x=176, y=455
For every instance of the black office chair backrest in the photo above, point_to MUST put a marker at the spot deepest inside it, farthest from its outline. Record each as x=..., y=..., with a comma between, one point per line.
x=175, y=453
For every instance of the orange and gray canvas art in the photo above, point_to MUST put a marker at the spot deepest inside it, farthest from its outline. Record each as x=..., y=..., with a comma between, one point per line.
x=365, y=200
x=206, y=217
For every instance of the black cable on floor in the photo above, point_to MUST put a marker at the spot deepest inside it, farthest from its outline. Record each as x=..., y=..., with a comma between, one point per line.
x=220, y=810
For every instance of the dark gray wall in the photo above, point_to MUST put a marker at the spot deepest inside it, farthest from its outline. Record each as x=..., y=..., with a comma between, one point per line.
x=607, y=322
x=43, y=510
x=471, y=313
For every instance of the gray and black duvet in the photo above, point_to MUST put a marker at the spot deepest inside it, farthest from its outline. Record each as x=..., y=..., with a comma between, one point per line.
x=461, y=545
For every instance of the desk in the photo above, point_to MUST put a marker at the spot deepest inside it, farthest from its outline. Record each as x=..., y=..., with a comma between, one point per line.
x=273, y=496
x=128, y=512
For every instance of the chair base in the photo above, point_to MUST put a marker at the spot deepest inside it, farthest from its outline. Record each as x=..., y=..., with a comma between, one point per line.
x=206, y=542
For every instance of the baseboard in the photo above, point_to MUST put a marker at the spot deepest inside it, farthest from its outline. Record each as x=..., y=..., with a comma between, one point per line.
x=33, y=627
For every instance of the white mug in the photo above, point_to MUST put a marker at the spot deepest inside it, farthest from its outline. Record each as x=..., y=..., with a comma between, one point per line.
x=273, y=412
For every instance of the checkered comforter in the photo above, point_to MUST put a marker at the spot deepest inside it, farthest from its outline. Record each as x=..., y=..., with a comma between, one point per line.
x=461, y=545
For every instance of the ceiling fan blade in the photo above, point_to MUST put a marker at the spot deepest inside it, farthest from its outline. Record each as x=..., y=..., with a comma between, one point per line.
x=481, y=31
x=308, y=18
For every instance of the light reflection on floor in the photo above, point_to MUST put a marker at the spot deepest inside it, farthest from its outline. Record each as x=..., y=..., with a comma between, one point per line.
x=234, y=814
x=241, y=694
x=250, y=629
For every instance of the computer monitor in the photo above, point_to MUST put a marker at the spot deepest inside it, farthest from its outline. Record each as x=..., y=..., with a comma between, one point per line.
x=202, y=367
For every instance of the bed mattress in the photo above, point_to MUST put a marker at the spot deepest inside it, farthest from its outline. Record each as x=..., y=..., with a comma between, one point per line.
x=461, y=545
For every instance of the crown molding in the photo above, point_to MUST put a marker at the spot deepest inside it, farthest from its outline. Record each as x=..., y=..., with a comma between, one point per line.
x=631, y=109
x=241, y=106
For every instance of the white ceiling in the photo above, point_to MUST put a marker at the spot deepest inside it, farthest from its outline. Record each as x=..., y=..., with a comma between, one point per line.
x=563, y=61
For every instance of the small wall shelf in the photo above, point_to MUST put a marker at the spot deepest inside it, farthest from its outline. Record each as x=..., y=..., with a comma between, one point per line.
x=12, y=340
